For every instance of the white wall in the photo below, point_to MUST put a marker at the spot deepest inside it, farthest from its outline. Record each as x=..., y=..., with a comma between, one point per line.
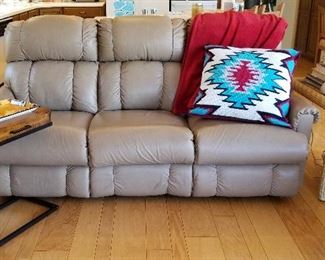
x=291, y=15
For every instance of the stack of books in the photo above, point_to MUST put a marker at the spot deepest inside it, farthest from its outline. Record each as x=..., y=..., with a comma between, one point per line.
x=11, y=108
x=317, y=77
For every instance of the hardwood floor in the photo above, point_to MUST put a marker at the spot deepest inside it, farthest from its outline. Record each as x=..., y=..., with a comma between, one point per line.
x=176, y=228
x=304, y=66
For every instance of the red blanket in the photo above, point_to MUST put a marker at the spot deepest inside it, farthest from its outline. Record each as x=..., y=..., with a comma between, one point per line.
x=237, y=29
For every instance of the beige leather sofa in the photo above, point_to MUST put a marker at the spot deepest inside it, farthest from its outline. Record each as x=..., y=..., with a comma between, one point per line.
x=111, y=85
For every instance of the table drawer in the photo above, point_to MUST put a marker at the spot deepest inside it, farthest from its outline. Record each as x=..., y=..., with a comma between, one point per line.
x=89, y=12
x=23, y=16
x=33, y=13
x=50, y=11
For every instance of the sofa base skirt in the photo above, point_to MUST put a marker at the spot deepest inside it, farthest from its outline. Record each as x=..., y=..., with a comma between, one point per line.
x=47, y=181
x=142, y=180
x=247, y=180
x=151, y=180
x=82, y=182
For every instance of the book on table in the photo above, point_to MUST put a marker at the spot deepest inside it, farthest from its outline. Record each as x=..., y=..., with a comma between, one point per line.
x=320, y=68
x=317, y=78
x=11, y=108
x=319, y=82
x=318, y=74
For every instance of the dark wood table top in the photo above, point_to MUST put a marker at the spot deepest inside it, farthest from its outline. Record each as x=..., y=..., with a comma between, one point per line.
x=27, y=124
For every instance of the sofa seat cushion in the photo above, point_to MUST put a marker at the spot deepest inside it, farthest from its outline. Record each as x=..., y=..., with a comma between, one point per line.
x=139, y=137
x=64, y=143
x=225, y=142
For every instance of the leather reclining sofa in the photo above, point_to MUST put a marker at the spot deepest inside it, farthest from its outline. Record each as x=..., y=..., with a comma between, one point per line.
x=110, y=85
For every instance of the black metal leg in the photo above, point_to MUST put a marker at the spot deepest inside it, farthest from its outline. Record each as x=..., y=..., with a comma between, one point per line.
x=50, y=209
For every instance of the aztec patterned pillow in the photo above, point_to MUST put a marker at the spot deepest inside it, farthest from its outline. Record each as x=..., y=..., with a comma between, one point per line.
x=246, y=84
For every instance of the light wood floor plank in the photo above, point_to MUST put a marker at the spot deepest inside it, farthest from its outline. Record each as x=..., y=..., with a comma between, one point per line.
x=220, y=206
x=30, y=239
x=197, y=218
x=5, y=217
x=129, y=236
x=86, y=233
x=305, y=228
x=309, y=192
x=228, y=229
x=157, y=218
x=233, y=243
x=176, y=227
x=50, y=255
x=155, y=254
x=58, y=231
x=273, y=234
x=207, y=248
x=20, y=213
x=247, y=229
x=104, y=243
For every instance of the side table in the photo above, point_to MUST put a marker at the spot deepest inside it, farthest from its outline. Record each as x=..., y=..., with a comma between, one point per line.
x=309, y=92
x=11, y=130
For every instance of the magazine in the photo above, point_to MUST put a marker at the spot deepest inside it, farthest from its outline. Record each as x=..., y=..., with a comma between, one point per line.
x=319, y=75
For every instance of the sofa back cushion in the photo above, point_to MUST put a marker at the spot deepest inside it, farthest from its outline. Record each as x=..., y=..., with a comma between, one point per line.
x=139, y=61
x=63, y=63
x=52, y=61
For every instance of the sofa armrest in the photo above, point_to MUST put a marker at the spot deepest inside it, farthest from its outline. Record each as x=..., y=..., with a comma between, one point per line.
x=303, y=114
x=5, y=92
